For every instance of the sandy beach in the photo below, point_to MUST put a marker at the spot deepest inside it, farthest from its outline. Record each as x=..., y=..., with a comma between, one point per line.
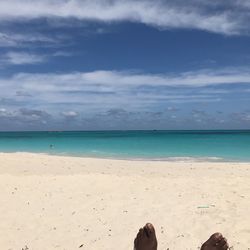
x=66, y=203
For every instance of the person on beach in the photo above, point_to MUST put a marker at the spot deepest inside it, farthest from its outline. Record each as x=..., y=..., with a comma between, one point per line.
x=146, y=240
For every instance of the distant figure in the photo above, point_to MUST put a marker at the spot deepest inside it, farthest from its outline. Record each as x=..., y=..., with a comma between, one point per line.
x=51, y=146
x=146, y=240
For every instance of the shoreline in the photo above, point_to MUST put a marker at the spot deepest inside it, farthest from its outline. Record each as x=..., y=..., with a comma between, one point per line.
x=160, y=159
x=60, y=202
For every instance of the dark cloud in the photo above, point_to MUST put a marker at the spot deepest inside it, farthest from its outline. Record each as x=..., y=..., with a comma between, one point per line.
x=25, y=115
x=241, y=116
x=117, y=112
x=10, y=101
x=153, y=114
x=36, y=114
x=23, y=94
x=24, y=119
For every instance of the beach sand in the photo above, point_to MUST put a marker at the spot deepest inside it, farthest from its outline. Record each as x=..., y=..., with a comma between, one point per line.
x=57, y=202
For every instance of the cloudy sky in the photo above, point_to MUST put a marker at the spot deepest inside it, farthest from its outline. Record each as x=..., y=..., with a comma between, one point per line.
x=124, y=64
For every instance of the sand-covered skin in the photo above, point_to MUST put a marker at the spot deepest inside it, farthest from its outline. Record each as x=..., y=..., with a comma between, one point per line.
x=53, y=202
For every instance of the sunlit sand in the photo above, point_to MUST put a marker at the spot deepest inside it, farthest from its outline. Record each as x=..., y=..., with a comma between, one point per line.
x=56, y=202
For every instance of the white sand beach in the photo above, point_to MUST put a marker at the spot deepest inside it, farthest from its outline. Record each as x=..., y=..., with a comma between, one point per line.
x=66, y=203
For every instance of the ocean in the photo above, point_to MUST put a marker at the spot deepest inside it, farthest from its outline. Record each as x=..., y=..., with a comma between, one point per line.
x=155, y=145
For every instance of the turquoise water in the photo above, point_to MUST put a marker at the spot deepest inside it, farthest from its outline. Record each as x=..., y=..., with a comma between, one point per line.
x=224, y=145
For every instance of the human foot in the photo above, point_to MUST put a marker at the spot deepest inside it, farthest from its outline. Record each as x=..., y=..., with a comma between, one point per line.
x=215, y=242
x=146, y=238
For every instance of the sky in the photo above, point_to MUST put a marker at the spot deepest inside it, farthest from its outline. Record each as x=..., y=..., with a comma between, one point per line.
x=124, y=64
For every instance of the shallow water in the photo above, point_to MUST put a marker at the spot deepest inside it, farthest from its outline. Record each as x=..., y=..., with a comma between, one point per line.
x=172, y=145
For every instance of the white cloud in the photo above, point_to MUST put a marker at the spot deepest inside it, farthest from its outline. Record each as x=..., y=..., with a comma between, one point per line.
x=22, y=40
x=70, y=114
x=230, y=17
x=172, y=109
x=102, y=90
x=61, y=98
x=19, y=58
x=110, y=81
x=62, y=54
x=191, y=79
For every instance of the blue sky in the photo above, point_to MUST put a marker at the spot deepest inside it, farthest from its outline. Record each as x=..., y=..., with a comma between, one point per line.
x=97, y=65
